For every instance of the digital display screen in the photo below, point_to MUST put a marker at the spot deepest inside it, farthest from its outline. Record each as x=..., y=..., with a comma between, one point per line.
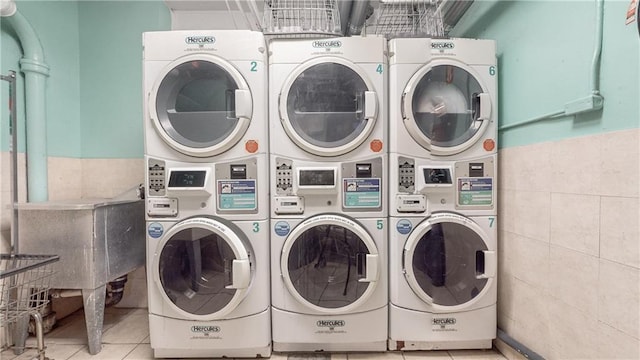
x=437, y=176
x=187, y=178
x=317, y=178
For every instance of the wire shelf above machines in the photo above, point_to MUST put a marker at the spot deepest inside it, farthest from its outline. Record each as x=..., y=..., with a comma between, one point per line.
x=408, y=18
x=301, y=18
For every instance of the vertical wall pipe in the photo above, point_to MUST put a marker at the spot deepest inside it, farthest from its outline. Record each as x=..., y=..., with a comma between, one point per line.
x=35, y=71
x=597, y=52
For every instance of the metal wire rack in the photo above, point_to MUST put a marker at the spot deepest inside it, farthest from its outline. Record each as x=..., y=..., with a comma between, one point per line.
x=408, y=18
x=24, y=290
x=301, y=18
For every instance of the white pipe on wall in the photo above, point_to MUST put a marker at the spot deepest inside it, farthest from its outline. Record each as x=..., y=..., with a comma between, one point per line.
x=7, y=8
x=36, y=72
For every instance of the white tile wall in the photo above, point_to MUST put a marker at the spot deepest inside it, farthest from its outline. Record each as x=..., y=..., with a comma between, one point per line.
x=620, y=163
x=573, y=334
x=574, y=165
x=575, y=222
x=532, y=265
x=614, y=344
x=619, y=297
x=532, y=214
x=577, y=201
x=106, y=178
x=531, y=316
x=65, y=178
x=619, y=224
x=574, y=276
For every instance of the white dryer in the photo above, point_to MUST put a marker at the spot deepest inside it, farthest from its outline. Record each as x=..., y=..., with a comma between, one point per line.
x=327, y=98
x=329, y=258
x=205, y=95
x=443, y=101
x=208, y=282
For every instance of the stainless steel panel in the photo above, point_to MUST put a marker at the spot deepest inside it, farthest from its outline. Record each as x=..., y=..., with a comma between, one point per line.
x=97, y=240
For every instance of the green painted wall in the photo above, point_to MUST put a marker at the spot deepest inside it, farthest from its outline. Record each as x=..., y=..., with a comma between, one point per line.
x=94, y=92
x=111, y=74
x=56, y=23
x=545, y=49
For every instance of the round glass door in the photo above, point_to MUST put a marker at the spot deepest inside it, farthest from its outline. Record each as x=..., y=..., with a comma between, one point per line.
x=201, y=107
x=445, y=108
x=330, y=264
x=444, y=261
x=327, y=107
x=202, y=270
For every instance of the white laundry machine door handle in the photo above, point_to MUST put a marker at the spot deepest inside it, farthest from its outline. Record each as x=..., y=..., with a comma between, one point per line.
x=370, y=105
x=371, y=269
x=484, y=107
x=244, y=104
x=241, y=274
x=490, y=265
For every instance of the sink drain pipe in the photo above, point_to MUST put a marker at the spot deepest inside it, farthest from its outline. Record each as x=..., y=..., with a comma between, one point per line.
x=115, y=291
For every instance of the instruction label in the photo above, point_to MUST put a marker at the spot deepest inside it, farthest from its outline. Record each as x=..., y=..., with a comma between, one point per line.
x=475, y=191
x=237, y=195
x=361, y=193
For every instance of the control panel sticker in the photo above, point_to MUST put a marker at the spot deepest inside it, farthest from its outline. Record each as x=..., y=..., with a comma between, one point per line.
x=282, y=228
x=404, y=226
x=361, y=193
x=237, y=195
x=155, y=230
x=475, y=191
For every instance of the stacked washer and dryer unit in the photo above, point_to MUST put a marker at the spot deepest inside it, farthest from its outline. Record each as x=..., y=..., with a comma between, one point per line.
x=328, y=161
x=207, y=199
x=443, y=208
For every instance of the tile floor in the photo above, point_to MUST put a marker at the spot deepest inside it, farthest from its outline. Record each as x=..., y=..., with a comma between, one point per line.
x=126, y=336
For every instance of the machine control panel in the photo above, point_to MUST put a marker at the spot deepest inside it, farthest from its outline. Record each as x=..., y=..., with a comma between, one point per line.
x=284, y=177
x=437, y=176
x=236, y=185
x=284, y=205
x=406, y=175
x=187, y=178
x=238, y=171
x=316, y=178
x=162, y=207
x=362, y=185
x=411, y=203
x=475, y=184
x=189, y=182
x=156, y=176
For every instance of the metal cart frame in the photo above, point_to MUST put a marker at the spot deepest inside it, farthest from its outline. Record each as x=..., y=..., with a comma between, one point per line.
x=24, y=291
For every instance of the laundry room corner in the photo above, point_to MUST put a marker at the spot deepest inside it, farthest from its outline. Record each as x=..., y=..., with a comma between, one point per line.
x=93, y=111
x=568, y=236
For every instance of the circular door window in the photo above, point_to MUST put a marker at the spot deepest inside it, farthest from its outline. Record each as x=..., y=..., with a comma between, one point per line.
x=327, y=107
x=330, y=264
x=445, y=108
x=444, y=261
x=201, y=107
x=203, y=268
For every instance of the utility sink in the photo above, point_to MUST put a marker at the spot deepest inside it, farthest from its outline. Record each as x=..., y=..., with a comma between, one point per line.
x=98, y=240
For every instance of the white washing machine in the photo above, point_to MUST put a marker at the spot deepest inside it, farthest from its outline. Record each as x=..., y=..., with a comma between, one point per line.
x=208, y=259
x=208, y=281
x=329, y=259
x=205, y=95
x=443, y=101
x=443, y=254
x=443, y=285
